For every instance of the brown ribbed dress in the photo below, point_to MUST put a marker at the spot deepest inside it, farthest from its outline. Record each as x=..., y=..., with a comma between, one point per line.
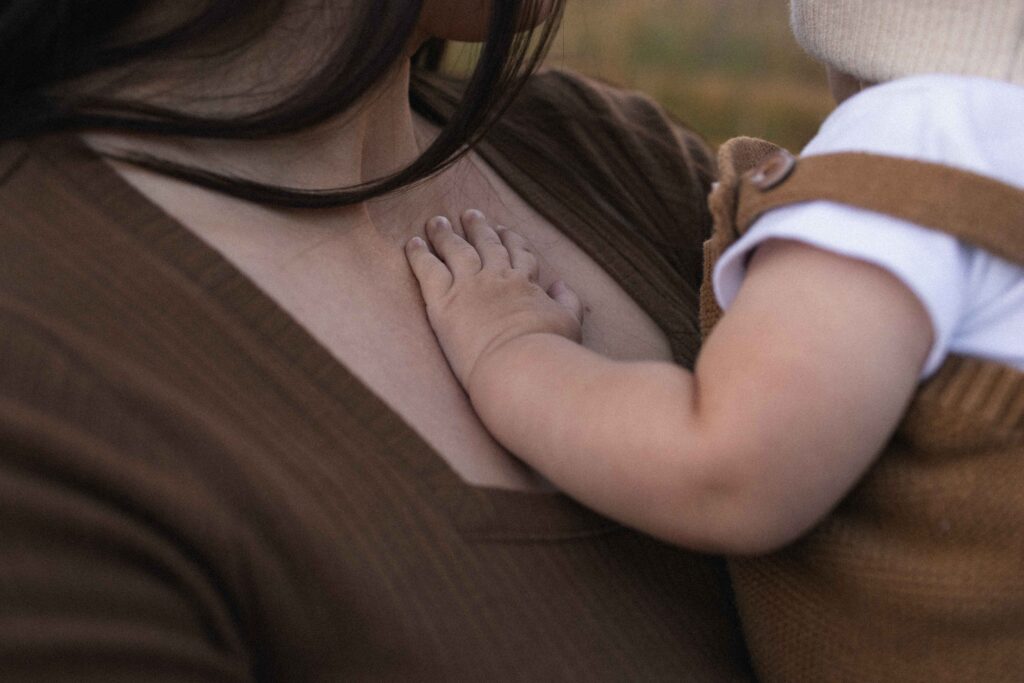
x=191, y=488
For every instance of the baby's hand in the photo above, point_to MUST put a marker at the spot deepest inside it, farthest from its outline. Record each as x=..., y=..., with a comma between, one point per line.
x=482, y=291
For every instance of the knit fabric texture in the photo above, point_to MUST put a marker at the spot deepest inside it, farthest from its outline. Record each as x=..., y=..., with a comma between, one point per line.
x=915, y=576
x=880, y=40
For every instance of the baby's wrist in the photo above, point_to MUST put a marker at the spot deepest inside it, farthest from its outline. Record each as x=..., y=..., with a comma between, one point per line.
x=496, y=367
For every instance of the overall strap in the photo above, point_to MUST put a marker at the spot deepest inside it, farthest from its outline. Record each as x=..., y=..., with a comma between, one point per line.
x=756, y=176
x=979, y=210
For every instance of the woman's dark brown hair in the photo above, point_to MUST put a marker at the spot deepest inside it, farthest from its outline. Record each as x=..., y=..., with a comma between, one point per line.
x=45, y=45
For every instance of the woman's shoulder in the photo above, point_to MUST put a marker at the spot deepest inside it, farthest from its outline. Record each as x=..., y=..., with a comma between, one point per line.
x=596, y=132
x=622, y=166
x=615, y=173
x=594, y=102
x=600, y=105
x=622, y=178
x=564, y=109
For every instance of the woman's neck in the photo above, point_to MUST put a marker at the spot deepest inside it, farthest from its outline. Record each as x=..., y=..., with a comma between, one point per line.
x=375, y=138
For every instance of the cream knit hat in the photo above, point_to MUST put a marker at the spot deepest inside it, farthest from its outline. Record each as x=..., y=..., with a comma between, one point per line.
x=878, y=40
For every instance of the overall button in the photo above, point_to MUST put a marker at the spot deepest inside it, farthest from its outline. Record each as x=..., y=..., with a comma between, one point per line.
x=773, y=170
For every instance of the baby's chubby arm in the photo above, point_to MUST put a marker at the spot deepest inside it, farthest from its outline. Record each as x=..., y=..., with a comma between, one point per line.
x=793, y=396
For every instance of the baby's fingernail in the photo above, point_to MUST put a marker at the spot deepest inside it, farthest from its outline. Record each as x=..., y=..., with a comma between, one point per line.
x=417, y=242
x=439, y=222
x=473, y=215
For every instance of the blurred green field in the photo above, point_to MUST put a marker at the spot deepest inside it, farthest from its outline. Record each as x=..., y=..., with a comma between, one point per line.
x=725, y=67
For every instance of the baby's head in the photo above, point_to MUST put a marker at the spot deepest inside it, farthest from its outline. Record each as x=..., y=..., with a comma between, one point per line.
x=870, y=41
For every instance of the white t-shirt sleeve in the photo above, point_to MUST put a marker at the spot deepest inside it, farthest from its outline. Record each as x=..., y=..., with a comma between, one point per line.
x=967, y=123
x=932, y=265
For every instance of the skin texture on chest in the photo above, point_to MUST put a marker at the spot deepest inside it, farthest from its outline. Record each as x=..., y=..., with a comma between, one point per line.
x=342, y=275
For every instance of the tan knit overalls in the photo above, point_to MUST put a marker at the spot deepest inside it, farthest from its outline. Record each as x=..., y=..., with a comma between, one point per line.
x=918, y=575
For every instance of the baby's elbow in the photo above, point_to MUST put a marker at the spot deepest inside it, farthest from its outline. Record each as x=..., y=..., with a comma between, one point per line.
x=738, y=513
x=757, y=530
x=744, y=529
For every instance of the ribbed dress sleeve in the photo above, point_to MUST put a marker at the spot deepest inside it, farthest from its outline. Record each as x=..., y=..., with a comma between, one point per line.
x=97, y=583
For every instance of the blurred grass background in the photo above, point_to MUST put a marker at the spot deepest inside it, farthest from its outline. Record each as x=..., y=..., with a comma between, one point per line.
x=724, y=67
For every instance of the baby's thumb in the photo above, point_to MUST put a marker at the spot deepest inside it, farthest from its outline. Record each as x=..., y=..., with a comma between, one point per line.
x=564, y=295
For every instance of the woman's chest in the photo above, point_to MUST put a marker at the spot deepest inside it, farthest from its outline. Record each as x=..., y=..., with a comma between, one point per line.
x=347, y=284
x=367, y=312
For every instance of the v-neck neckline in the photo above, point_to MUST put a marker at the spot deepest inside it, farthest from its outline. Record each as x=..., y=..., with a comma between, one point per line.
x=479, y=512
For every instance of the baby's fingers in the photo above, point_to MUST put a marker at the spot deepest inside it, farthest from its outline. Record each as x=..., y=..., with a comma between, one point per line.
x=521, y=253
x=460, y=256
x=482, y=236
x=431, y=273
x=569, y=299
